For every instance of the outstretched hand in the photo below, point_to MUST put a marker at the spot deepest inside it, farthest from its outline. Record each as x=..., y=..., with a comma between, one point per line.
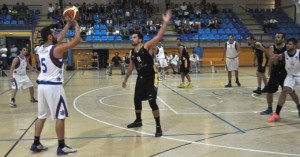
x=124, y=84
x=71, y=21
x=167, y=16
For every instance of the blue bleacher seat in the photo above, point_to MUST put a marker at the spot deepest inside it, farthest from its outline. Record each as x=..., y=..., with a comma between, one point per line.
x=21, y=22
x=7, y=22
x=200, y=31
x=8, y=17
x=104, y=38
x=146, y=38
x=234, y=31
x=96, y=26
x=203, y=37
x=207, y=31
x=111, y=38
x=97, y=32
x=224, y=37
x=227, y=31
x=183, y=37
x=37, y=12
x=221, y=31
x=211, y=37
x=97, y=38
x=89, y=38
x=217, y=37
x=13, y=22
x=214, y=31
x=103, y=27
x=196, y=37
x=230, y=26
x=118, y=38
x=190, y=37
x=103, y=32
x=238, y=37
x=223, y=25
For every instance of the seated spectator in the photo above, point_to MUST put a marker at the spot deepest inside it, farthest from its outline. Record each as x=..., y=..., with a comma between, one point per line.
x=124, y=30
x=273, y=22
x=217, y=22
x=198, y=24
x=157, y=23
x=126, y=59
x=50, y=11
x=211, y=24
x=194, y=62
x=177, y=23
x=173, y=62
x=14, y=13
x=13, y=52
x=110, y=30
x=117, y=30
x=57, y=9
x=116, y=61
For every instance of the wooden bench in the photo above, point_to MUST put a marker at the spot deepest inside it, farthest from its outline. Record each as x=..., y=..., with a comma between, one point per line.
x=213, y=62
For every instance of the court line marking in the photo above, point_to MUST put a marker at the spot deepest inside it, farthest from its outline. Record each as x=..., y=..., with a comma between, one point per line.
x=203, y=108
x=264, y=98
x=170, y=138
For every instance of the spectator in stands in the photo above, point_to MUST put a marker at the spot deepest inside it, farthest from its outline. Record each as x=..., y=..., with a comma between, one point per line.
x=28, y=53
x=136, y=26
x=50, y=11
x=127, y=15
x=110, y=30
x=126, y=59
x=18, y=7
x=197, y=11
x=109, y=21
x=183, y=7
x=211, y=24
x=217, y=22
x=90, y=30
x=24, y=9
x=214, y=8
x=173, y=62
x=124, y=30
x=4, y=9
x=194, y=58
x=197, y=24
x=14, y=13
x=177, y=23
x=117, y=30
x=3, y=52
x=95, y=8
x=153, y=29
x=13, y=52
x=89, y=9
x=116, y=61
x=22, y=17
x=273, y=22
x=203, y=3
x=157, y=23
x=57, y=9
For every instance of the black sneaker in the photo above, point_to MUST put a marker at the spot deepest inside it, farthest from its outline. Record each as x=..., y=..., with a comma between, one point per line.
x=264, y=90
x=238, y=83
x=33, y=100
x=158, y=131
x=268, y=111
x=298, y=107
x=257, y=91
x=228, y=85
x=135, y=124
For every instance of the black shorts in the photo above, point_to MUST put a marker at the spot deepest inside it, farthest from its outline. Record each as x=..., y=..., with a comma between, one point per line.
x=185, y=66
x=276, y=80
x=146, y=88
x=261, y=68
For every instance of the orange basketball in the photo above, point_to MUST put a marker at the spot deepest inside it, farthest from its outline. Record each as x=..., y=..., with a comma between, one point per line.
x=72, y=12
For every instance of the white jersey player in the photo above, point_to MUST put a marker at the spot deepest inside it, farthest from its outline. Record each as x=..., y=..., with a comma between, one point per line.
x=291, y=59
x=232, y=51
x=194, y=58
x=19, y=78
x=52, y=99
x=162, y=62
x=173, y=61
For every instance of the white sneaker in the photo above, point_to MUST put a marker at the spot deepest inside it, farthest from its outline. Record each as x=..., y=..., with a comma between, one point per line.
x=65, y=150
x=12, y=104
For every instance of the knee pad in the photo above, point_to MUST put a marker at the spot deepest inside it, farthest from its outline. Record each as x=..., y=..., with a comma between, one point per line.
x=153, y=105
x=137, y=104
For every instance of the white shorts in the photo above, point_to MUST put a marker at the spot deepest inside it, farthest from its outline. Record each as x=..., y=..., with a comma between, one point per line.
x=52, y=102
x=21, y=81
x=232, y=64
x=291, y=81
x=162, y=62
x=173, y=62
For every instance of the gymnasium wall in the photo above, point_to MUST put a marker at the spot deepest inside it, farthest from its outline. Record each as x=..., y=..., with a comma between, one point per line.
x=245, y=59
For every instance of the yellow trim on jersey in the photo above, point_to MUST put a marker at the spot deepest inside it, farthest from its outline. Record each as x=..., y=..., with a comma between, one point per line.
x=264, y=60
x=156, y=80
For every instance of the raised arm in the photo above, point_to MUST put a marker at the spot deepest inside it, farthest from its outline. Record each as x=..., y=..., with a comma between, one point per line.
x=62, y=34
x=62, y=48
x=161, y=32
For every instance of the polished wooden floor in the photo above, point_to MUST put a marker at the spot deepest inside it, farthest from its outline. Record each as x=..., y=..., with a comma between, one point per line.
x=207, y=120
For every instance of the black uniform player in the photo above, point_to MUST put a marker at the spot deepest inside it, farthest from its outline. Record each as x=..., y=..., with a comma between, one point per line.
x=260, y=55
x=147, y=82
x=278, y=73
x=185, y=64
